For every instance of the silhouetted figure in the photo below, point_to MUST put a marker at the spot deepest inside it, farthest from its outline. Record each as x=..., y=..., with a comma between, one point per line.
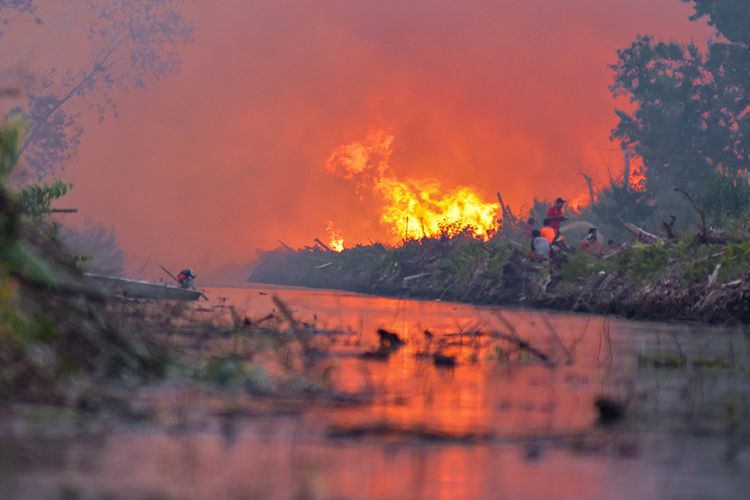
x=555, y=215
x=185, y=278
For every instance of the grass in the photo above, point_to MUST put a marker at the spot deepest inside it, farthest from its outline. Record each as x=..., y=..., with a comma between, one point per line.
x=661, y=360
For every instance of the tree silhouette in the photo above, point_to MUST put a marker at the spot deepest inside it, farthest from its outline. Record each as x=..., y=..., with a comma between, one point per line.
x=137, y=41
x=692, y=116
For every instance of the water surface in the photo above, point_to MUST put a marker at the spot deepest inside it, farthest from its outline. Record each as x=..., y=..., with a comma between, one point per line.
x=500, y=424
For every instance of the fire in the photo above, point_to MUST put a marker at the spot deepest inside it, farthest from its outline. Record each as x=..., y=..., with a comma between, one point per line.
x=579, y=203
x=412, y=208
x=336, y=241
x=365, y=161
x=417, y=208
x=637, y=180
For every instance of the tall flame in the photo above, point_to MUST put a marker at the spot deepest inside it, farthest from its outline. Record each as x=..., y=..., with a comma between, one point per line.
x=412, y=208
x=336, y=241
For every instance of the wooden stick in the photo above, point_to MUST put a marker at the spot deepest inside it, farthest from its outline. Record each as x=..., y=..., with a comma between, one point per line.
x=323, y=245
x=170, y=274
x=525, y=346
x=286, y=246
x=701, y=213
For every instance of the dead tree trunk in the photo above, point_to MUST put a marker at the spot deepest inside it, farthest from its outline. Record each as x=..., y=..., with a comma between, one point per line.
x=701, y=215
x=669, y=227
x=508, y=218
x=626, y=173
x=590, y=185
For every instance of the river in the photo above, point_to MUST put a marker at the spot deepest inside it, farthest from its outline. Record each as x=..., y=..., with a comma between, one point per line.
x=497, y=425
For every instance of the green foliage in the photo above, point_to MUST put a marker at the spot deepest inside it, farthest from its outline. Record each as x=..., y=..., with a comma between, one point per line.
x=650, y=259
x=37, y=199
x=643, y=261
x=662, y=360
x=578, y=266
x=690, y=121
x=725, y=197
x=501, y=252
x=18, y=258
x=735, y=262
x=465, y=259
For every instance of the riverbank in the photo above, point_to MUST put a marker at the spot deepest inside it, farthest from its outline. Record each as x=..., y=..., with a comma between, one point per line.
x=676, y=280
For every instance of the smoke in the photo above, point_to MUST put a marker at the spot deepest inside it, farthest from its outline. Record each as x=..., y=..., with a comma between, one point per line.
x=365, y=162
x=242, y=148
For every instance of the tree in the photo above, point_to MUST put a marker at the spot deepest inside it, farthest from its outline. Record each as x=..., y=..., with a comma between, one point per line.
x=692, y=106
x=97, y=245
x=137, y=41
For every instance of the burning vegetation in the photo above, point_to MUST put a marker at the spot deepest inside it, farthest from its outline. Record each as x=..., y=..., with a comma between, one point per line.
x=410, y=208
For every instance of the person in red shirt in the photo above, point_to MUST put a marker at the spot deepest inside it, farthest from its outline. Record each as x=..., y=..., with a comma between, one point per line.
x=555, y=215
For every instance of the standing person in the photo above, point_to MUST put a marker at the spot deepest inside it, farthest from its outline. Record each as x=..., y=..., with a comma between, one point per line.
x=555, y=215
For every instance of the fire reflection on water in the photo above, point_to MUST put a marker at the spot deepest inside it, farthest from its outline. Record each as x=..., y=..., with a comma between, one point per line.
x=521, y=405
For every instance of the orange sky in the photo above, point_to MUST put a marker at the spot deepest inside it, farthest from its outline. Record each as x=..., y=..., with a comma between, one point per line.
x=229, y=156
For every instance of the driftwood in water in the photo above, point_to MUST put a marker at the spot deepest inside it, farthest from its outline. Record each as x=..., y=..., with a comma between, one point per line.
x=389, y=342
x=525, y=346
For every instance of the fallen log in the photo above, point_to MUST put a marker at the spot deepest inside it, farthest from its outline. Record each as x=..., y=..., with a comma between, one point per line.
x=642, y=235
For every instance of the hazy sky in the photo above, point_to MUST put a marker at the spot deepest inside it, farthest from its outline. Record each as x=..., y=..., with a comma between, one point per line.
x=229, y=155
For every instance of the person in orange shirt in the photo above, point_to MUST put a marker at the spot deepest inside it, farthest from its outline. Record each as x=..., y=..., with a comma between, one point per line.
x=548, y=231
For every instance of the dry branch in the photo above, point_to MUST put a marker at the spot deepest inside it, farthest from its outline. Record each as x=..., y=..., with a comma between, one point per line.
x=323, y=245
x=642, y=235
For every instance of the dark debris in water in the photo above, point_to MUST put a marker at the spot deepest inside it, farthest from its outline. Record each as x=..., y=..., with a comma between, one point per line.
x=389, y=342
x=610, y=410
x=444, y=361
x=386, y=430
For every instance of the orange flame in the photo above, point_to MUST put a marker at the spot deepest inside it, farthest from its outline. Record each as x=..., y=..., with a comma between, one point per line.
x=637, y=180
x=418, y=208
x=336, y=241
x=579, y=203
x=412, y=208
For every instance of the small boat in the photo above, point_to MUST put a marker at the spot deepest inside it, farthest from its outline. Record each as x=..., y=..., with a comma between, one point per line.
x=136, y=289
